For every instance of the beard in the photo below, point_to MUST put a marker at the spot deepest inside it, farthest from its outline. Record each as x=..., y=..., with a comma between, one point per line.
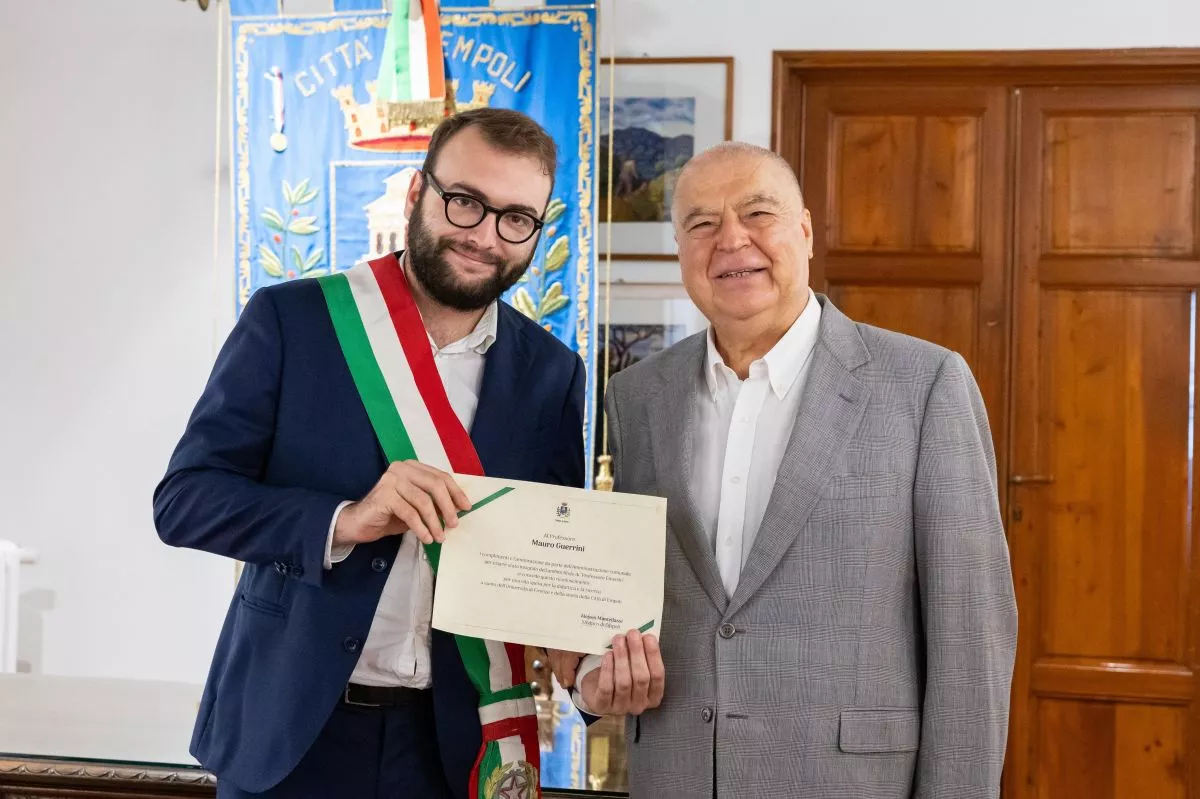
x=427, y=260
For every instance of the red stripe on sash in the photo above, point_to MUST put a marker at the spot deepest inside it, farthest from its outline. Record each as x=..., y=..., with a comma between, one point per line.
x=410, y=329
x=516, y=661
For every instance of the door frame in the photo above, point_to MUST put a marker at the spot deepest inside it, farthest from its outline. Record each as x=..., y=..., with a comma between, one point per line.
x=794, y=71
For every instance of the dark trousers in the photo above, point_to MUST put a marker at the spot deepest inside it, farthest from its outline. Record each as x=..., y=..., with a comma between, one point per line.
x=365, y=753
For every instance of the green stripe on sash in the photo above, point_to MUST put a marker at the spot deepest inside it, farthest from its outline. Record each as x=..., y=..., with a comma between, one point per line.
x=347, y=324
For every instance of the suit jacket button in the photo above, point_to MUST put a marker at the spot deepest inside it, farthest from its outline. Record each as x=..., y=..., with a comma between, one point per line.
x=707, y=714
x=379, y=564
x=297, y=571
x=728, y=630
x=351, y=645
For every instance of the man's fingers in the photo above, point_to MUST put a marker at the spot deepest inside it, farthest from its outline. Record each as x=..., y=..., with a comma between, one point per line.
x=411, y=518
x=622, y=681
x=461, y=500
x=639, y=673
x=563, y=664
x=458, y=497
x=407, y=515
x=658, y=677
x=439, y=490
x=415, y=496
x=604, y=689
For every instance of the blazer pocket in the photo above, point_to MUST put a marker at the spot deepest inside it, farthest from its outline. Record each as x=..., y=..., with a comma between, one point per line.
x=875, y=730
x=259, y=605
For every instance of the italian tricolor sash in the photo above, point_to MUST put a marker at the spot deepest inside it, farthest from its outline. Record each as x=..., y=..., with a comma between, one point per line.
x=387, y=349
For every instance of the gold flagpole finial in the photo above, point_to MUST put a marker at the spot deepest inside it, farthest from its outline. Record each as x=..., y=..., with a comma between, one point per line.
x=604, y=476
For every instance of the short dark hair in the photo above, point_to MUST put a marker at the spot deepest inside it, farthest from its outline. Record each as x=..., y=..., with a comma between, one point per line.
x=505, y=129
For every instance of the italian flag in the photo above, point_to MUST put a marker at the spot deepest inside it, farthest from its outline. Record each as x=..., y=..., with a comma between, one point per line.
x=412, y=67
x=387, y=350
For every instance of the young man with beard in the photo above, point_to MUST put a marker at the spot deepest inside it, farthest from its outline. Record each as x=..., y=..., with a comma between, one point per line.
x=320, y=455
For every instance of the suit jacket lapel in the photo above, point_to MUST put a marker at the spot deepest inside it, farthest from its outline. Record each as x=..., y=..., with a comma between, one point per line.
x=830, y=411
x=505, y=369
x=672, y=427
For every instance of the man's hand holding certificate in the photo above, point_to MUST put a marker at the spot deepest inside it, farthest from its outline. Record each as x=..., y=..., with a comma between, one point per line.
x=560, y=568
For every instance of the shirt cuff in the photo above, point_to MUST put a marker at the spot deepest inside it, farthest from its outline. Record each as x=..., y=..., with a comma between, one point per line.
x=336, y=554
x=586, y=666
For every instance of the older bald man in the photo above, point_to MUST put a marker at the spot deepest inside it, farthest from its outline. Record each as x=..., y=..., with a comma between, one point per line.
x=839, y=617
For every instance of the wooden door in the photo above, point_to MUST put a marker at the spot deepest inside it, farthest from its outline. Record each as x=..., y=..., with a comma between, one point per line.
x=1102, y=495
x=908, y=191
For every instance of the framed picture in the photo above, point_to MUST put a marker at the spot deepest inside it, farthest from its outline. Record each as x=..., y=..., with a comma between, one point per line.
x=644, y=320
x=664, y=111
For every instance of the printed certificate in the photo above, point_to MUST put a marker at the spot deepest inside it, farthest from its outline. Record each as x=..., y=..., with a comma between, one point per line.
x=543, y=565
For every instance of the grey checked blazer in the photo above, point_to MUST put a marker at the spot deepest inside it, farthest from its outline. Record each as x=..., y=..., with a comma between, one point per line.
x=868, y=650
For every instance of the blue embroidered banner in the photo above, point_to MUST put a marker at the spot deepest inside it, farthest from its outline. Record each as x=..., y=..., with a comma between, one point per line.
x=321, y=165
x=564, y=754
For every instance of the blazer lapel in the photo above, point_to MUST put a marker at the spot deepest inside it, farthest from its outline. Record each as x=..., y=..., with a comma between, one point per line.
x=505, y=369
x=672, y=430
x=830, y=411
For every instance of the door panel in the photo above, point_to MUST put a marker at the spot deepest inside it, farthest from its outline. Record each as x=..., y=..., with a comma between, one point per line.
x=1101, y=512
x=945, y=315
x=1116, y=374
x=1116, y=751
x=1139, y=203
x=907, y=187
x=905, y=182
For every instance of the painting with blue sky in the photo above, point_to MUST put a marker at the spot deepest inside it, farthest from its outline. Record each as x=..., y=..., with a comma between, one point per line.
x=653, y=137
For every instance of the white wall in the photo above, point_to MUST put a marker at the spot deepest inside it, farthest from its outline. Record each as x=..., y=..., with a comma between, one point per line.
x=110, y=307
x=107, y=319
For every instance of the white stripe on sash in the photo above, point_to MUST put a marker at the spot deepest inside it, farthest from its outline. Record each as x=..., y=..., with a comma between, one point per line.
x=389, y=354
x=508, y=709
x=512, y=750
x=499, y=669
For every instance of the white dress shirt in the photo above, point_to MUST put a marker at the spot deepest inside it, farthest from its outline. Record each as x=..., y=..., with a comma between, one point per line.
x=742, y=428
x=396, y=652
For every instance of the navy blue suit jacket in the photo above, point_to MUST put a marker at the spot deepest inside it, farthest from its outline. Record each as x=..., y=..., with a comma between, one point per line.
x=278, y=439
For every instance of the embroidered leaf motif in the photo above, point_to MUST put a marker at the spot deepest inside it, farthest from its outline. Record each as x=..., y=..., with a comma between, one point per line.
x=274, y=219
x=557, y=257
x=303, y=225
x=269, y=261
x=552, y=300
x=314, y=259
x=524, y=303
x=302, y=194
x=553, y=211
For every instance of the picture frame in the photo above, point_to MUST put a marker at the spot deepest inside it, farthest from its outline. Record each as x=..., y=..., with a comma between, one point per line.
x=644, y=320
x=665, y=111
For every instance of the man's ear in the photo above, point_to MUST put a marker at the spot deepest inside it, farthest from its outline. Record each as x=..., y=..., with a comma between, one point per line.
x=414, y=193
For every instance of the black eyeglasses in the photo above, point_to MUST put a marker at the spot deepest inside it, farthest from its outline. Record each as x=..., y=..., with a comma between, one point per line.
x=467, y=211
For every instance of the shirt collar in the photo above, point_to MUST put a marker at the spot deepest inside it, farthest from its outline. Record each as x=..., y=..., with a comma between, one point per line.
x=783, y=363
x=478, y=340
